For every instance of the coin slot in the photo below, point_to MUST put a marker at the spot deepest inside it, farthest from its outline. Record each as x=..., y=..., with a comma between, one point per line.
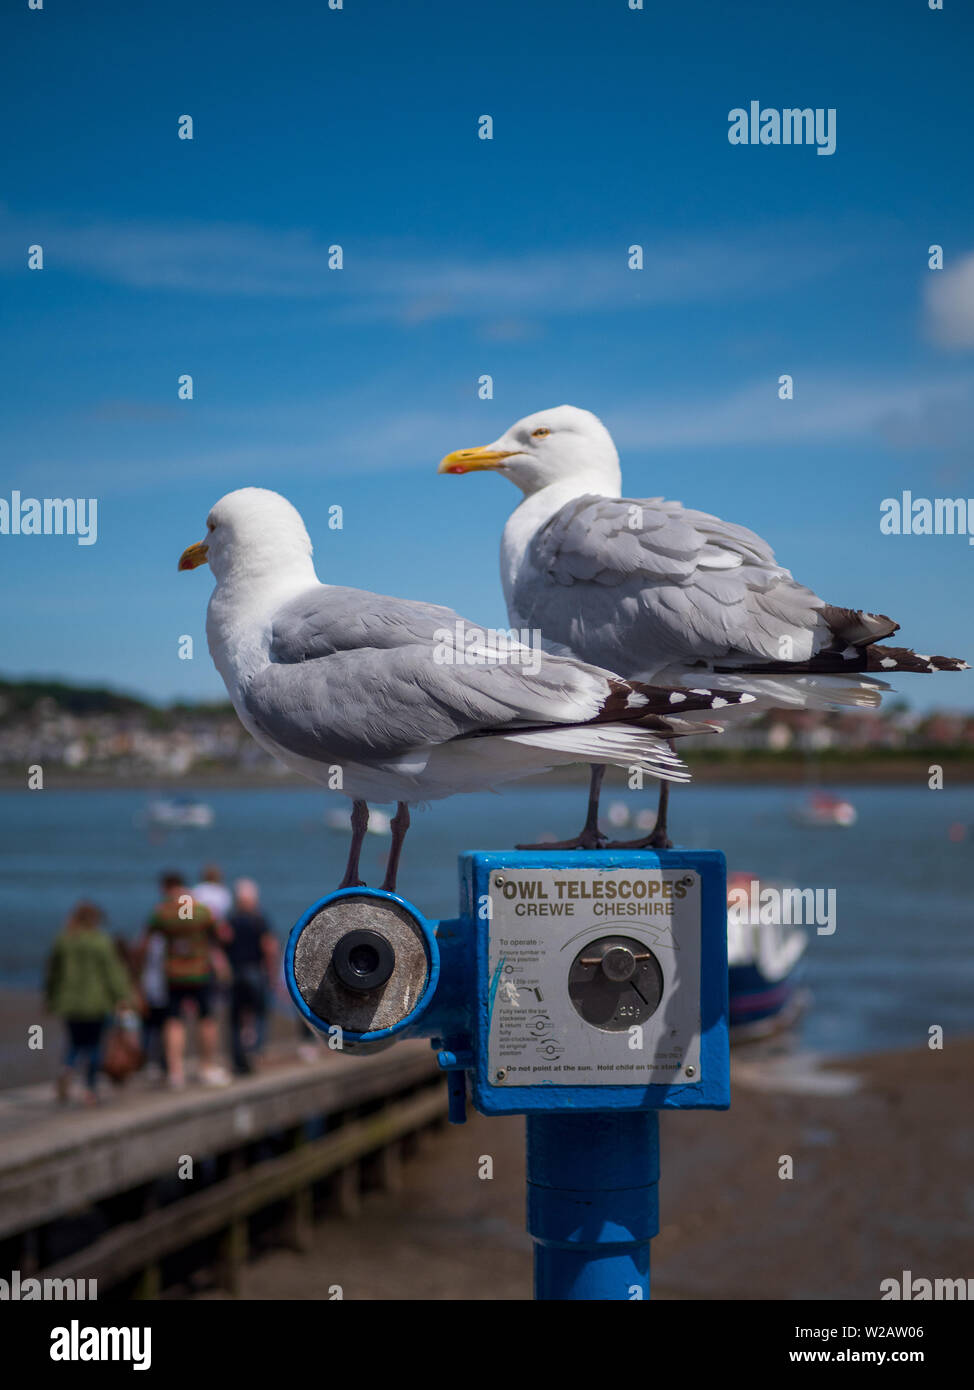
x=615, y=982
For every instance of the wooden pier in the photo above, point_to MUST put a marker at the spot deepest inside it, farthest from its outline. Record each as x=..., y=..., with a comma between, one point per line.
x=144, y=1192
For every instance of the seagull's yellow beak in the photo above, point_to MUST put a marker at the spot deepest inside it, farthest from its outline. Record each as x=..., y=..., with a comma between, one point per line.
x=471, y=460
x=193, y=556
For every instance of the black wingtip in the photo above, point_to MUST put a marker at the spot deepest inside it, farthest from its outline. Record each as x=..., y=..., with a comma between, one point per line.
x=637, y=700
x=892, y=659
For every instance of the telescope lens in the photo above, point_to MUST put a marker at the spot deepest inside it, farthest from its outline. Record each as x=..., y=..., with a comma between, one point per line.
x=364, y=960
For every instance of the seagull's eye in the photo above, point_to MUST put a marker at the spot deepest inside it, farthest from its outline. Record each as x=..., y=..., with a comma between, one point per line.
x=540, y=434
x=211, y=525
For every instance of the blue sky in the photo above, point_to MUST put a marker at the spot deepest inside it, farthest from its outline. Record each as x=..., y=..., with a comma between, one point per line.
x=464, y=257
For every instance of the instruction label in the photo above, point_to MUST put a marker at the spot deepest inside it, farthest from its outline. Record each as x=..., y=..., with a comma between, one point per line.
x=559, y=942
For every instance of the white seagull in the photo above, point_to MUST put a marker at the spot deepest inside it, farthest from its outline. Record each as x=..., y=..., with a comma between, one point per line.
x=665, y=594
x=393, y=700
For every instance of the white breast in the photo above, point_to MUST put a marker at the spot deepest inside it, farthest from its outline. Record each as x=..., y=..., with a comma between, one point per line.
x=521, y=526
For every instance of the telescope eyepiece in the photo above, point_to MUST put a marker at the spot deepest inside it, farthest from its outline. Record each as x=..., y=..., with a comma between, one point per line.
x=363, y=960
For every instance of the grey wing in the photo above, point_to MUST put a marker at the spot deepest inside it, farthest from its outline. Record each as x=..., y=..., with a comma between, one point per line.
x=332, y=618
x=618, y=579
x=373, y=683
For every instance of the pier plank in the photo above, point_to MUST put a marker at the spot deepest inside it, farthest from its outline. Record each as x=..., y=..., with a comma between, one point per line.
x=53, y=1163
x=133, y=1246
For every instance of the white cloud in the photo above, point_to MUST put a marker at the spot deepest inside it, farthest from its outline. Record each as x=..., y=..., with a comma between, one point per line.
x=908, y=411
x=381, y=282
x=341, y=438
x=949, y=303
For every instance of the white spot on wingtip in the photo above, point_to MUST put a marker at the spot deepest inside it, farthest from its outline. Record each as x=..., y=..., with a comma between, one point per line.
x=718, y=703
x=887, y=662
x=676, y=698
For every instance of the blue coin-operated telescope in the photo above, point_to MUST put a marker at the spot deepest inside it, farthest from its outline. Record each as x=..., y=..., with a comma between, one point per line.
x=585, y=990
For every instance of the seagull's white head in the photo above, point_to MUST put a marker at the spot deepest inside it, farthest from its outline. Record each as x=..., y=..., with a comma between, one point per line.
x=252, y=534
x=553, y=446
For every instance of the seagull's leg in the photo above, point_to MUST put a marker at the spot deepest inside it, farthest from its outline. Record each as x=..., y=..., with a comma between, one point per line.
x=657, y=837
x=399, y=825
x=590, y=836
x=360, y=823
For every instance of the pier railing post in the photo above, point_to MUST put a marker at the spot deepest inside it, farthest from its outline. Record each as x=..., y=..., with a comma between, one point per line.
x=302, y=1202
x=234, y=1242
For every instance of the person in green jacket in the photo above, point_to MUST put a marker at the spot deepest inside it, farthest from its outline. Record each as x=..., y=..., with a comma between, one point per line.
x=85, y=983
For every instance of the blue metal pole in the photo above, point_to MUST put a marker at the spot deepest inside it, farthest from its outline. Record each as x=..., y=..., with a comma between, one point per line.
x=593, y=1203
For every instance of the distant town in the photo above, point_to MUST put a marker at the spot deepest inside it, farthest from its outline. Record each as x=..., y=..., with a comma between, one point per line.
x=82, y=732
x=87, y=730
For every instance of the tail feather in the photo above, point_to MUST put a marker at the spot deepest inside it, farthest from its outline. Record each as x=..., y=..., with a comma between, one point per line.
x=632, y=727
x=657, y=709
x=620, y=745
x=789, y=691
x=849, y=661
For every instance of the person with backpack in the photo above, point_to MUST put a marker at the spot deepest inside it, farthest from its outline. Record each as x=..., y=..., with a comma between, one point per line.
x=85, y=983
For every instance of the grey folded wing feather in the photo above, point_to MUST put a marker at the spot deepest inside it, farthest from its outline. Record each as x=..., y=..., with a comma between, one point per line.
x=359, y=676
x=331, y=617
x=660, y=579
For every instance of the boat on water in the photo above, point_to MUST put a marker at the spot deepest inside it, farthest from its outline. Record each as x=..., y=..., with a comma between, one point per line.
x=180, y=813
x=619, y=814
x=380, y=822
x=764, y=961
x=822, y=810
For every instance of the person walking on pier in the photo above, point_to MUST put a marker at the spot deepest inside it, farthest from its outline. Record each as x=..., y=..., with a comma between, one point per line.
x=213, y=893
x=85, y=983
x=191, y=947
x=153, y=986
x=253, y=955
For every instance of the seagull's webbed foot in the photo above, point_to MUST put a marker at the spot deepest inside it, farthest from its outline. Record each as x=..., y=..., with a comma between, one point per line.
x=590, y=836
x=587, y=838
x=656, y=839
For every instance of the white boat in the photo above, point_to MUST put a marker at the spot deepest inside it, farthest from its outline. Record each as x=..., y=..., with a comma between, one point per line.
x=380, y=823
x=764, y=970
x=179, y=812
x=822, y=810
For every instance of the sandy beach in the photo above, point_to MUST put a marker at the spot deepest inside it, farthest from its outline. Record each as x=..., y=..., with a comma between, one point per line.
x=881, y=1148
